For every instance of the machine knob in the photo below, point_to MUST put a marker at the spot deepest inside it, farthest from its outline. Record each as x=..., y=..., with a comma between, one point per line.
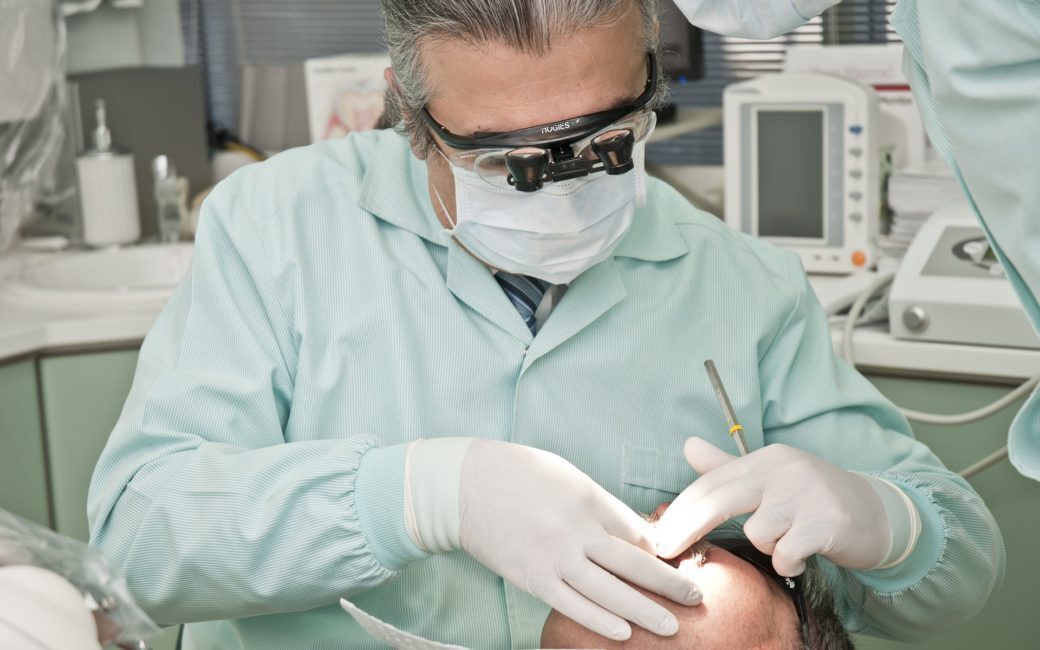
x=915, y=318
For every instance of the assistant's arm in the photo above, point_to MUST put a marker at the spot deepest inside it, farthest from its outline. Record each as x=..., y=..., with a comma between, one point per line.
x=198, y=496
x=975, y=71
x=815, y=402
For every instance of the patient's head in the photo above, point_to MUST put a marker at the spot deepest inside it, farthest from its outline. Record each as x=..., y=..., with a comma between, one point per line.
x=742, y=608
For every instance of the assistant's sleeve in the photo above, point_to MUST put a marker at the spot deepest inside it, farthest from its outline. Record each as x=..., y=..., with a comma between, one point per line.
x=197, y=495
x=814, y=401
x=975, y=71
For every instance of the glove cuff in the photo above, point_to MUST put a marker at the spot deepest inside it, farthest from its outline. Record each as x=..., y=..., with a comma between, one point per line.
x=903, y=520
x=431, y=489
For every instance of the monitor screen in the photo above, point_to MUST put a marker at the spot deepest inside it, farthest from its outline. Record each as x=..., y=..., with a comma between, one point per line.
x=790, y=173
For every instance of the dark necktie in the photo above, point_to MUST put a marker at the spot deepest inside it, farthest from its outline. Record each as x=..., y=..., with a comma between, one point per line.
x=525, y=293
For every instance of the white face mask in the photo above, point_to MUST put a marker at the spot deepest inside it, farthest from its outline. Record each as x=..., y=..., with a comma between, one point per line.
x=553, y=234
x=759, y=19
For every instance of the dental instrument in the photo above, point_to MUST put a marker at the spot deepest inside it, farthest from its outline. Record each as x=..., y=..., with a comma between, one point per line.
x=735, y=430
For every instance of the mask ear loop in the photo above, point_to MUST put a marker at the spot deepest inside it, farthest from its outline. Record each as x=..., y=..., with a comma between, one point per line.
x=640, y=157
x=640, y=171
x=444, y=207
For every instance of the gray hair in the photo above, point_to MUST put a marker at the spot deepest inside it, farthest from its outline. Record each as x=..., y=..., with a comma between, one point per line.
x=526, y=25
x=826, y=631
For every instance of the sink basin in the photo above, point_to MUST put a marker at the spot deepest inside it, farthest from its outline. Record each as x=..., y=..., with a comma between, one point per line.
x=139, y=276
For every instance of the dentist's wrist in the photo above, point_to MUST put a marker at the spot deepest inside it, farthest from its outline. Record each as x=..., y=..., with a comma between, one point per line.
x=379, y=501
x=903, y=519
x=432, y=474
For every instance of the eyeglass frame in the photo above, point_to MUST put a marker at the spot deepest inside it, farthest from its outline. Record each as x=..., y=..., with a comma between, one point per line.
x=564, y=132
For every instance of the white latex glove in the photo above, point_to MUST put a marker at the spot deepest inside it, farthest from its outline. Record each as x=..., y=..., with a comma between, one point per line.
x=803, y=505
x=545, y=526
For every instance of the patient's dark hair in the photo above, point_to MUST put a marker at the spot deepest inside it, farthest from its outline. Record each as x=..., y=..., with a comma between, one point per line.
x=825, y=629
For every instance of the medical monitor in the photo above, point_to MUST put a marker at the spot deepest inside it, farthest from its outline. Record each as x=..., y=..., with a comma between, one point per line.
x=802, y=167
x=791, y=198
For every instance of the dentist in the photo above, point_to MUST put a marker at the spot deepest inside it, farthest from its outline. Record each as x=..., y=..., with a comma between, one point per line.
x=439, y=369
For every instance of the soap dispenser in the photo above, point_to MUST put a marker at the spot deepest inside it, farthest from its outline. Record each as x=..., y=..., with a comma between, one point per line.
x=108, y=191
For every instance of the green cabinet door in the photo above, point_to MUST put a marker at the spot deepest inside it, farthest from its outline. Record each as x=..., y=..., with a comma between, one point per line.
x=83, y=395
x=23, y=475
x=1009, y=620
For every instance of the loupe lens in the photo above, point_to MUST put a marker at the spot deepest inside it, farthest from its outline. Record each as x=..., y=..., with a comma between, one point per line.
x=614, y=148
x=527, y=167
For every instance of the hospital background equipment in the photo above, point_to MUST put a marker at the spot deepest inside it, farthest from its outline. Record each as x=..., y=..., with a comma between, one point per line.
x=881, y=67
x=803, y=167
x=682, y=53
x=951, y=288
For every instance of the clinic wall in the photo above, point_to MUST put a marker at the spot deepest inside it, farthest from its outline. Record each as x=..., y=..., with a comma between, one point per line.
x=706, y=182
x=109, y=38
x=23, y=472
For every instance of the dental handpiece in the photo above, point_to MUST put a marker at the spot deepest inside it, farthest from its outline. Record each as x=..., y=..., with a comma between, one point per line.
x=735, y=430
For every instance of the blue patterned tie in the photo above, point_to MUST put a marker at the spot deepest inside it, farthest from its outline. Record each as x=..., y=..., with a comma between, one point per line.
x=525, y=293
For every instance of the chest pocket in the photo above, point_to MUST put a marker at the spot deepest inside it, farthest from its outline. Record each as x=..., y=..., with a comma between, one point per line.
x=652, y=477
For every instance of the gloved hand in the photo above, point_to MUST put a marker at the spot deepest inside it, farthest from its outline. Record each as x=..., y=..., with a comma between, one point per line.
x=803, y=505
x=543, y=525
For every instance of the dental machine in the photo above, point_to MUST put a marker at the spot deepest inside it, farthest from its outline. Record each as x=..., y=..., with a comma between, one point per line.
x=950, y=287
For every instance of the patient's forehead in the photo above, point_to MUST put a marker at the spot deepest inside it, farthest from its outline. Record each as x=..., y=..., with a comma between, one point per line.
x=741, y=608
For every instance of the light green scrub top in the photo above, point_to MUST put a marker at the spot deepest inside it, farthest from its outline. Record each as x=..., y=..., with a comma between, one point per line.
x=255, y=475
x=974, y=66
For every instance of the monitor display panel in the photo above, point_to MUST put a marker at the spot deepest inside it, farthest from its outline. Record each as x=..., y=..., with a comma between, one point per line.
x=790, y=173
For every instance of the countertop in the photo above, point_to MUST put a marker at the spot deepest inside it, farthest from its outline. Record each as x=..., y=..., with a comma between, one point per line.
x=31, y=329
x=27, y=330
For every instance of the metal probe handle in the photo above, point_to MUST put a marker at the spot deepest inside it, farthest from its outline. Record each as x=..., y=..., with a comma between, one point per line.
x=735, y=430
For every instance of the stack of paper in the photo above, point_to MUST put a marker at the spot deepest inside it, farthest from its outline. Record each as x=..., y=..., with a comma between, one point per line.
x=914, y=194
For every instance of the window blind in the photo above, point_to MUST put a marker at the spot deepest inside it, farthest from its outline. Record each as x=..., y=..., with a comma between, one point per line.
x=221, y=35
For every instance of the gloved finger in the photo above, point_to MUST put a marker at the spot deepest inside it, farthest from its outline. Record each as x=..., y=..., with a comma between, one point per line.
x=793, y=549
x=704, y=456
x=624, y=523
x=632, y=564
x=767, y=526
x=732, y=471
x=694, y=513
x=615, y=596
x=564, y=599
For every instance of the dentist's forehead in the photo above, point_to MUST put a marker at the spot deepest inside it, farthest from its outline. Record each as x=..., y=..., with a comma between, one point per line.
x=492, y=87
